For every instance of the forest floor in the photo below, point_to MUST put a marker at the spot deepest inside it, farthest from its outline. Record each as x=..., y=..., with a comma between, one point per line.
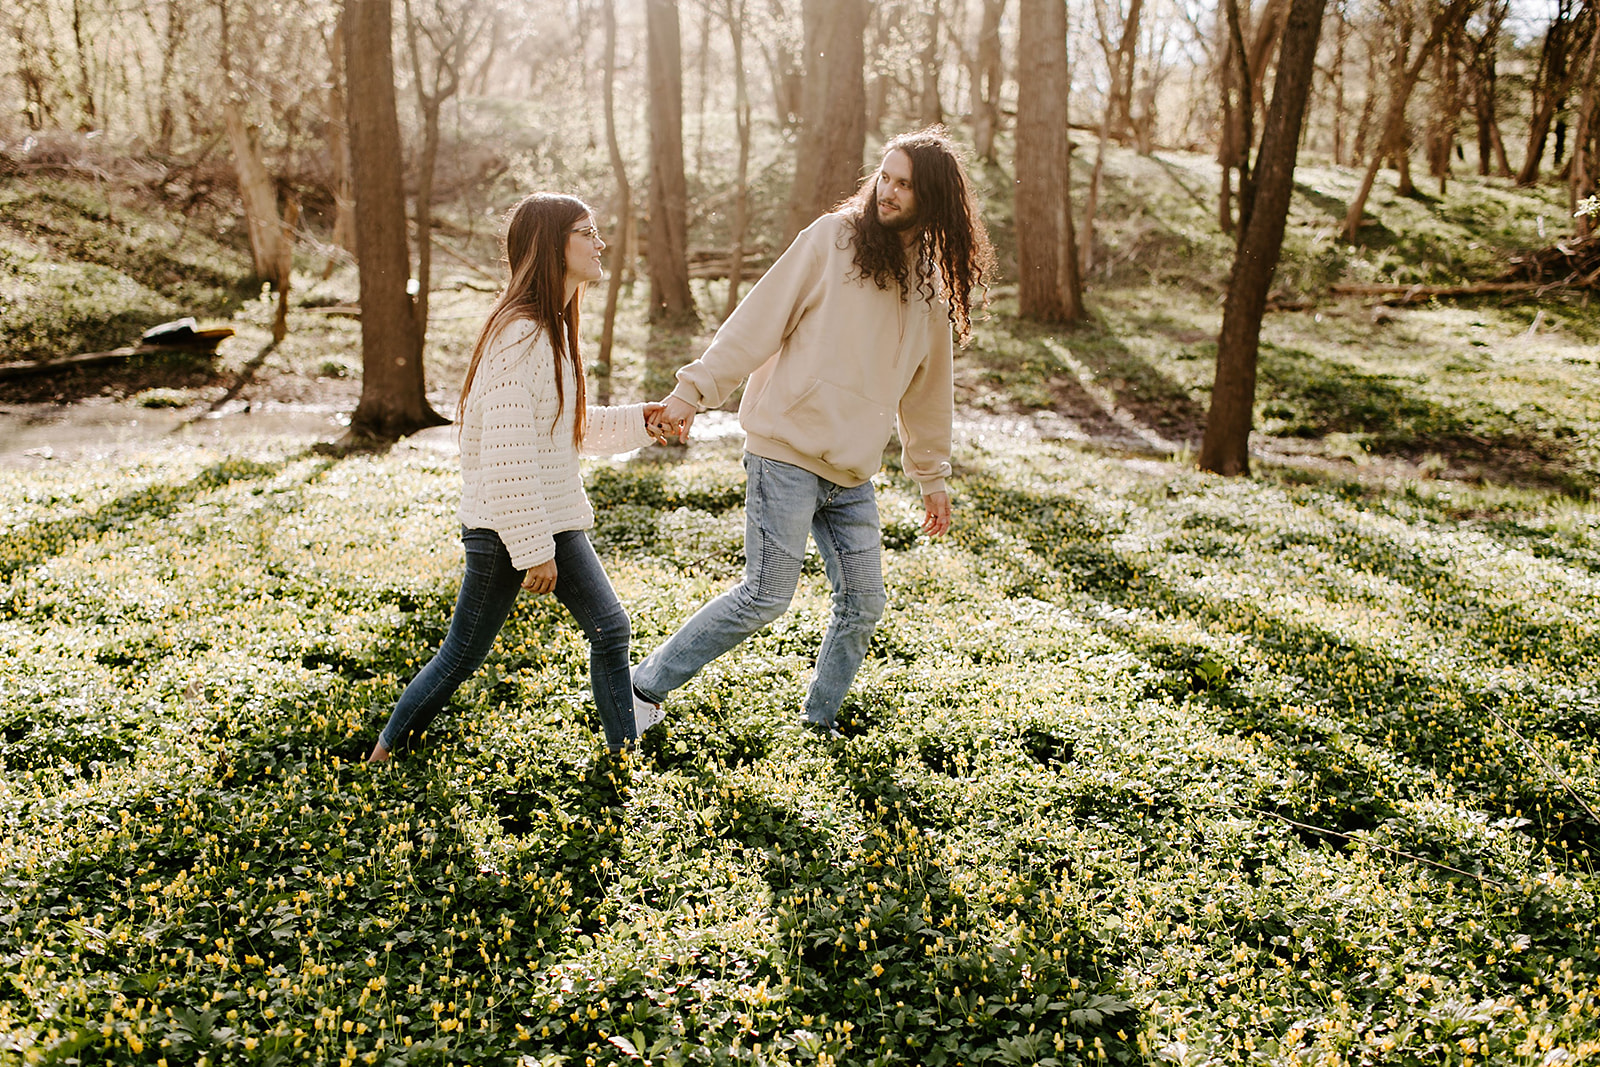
x=1144, y=765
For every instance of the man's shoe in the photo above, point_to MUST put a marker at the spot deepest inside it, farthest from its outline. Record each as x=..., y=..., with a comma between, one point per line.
x=645, y=714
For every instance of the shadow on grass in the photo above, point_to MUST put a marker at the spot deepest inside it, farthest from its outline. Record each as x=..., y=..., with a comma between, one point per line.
x=1089, y=376
x=1315, y=397
x=1370, y=720
x=883, y=937
x=169, y=369
x=37, y=542
x=1331, y=205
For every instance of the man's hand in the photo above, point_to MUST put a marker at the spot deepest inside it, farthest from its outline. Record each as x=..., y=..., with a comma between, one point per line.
x=936, y=514
x=541, y=578
x=677, y=414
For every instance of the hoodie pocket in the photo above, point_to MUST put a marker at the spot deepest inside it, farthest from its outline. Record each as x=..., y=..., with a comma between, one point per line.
x=841, y=428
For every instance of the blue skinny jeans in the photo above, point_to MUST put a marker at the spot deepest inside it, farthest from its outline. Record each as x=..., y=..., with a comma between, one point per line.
x=489, y=588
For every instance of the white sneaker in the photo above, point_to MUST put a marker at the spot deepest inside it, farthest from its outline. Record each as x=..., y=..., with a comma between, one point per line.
x=645, y=715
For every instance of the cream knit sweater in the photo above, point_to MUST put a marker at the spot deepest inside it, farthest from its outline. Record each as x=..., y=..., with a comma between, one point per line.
x=519, y=469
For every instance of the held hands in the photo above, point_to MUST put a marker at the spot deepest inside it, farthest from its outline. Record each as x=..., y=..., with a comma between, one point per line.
x=670, y=418
x=541, y=577
x=936, y=514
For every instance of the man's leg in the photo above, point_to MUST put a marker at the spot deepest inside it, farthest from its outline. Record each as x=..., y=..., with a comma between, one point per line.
x=850, y=541
x=779, y=500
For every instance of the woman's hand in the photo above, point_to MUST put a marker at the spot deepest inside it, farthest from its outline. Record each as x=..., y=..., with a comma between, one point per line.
x=655, y=423
x=540, y=578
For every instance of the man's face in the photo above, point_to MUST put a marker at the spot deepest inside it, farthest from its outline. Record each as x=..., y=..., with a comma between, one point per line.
x=897, y=202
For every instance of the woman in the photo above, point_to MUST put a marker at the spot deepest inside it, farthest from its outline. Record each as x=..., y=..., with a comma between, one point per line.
x=523, y=422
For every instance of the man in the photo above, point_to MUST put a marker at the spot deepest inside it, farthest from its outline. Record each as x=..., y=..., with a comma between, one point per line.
x=848, y=335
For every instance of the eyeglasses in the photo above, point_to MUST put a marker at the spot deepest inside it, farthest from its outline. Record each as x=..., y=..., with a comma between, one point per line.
x=591, y=232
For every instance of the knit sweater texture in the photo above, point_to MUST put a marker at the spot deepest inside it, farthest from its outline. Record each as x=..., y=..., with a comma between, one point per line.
x=835, y=365
x=519, y=469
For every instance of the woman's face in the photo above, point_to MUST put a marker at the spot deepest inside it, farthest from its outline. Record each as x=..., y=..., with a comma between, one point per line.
x=583, y=251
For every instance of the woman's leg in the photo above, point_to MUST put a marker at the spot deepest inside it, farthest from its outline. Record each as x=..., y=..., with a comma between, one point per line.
x=489, y=588
x=584, y=589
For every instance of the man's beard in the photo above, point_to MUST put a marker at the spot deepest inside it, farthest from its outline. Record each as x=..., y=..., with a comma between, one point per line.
x=900, y=222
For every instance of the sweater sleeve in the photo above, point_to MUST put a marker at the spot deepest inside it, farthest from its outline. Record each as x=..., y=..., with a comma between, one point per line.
x=768, y=313
x=615, y=429
x=927, y=410
x=512, y=466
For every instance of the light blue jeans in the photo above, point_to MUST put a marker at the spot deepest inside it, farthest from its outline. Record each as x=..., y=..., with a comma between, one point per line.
x=782, y=504
x=489, y=589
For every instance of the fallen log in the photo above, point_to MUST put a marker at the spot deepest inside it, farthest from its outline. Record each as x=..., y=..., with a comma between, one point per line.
x=1572, y=263
x=1415, y=294
x=181, y=335
x=34, y=367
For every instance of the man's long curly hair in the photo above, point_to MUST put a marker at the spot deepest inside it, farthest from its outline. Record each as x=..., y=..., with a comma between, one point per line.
x=953, y=253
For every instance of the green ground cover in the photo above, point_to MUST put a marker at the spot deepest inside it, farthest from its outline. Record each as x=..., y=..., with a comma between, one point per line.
x=88, y=266
x=1144, y=766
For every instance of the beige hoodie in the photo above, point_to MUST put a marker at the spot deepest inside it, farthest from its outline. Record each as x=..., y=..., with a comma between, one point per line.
x=834, y=363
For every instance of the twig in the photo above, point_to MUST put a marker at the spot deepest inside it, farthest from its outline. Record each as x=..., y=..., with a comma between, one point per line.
x=1369, y=843
x=1554, y=773
x=458, y=257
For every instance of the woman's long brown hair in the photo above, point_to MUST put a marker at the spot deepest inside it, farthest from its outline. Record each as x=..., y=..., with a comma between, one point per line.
x=536, y=256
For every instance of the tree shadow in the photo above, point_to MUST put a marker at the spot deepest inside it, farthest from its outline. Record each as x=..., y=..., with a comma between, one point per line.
x=245, y=376
x=1324, y=202
x=882, y=936
x=1367, y=708
x=37, y=542
x=1313, y=397
x=1090, y=377
x=171, y=368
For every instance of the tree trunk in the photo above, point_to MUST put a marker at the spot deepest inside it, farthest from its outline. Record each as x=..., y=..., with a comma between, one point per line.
x=431, y=92
x=1585, y=173
x=1238, y=113
x=929, y=108
x=285, y=267
x=1049, y=288
x=1341, y=39
x=1091, y=202
x=1120, y=104
x=1445, y=118
x=833, y=125
x=258, y=192
x=1550, y=85
x=343, y=190
x=394, y=398
x=1263, y=215
x=667, y=240
x=787, y=74
x=987, y=74
x=619, y=228
x=87, y=112
x=1393, y=136
x=1369, y=104
x=702, y=76
x=1483, y=74
x=734, y=13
